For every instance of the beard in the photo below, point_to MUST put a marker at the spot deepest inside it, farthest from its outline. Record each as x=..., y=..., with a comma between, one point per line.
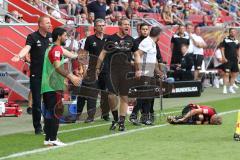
x=63, y=43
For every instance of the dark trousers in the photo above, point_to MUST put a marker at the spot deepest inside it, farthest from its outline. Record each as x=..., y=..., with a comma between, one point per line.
x=35, y=86
x=143, y=105
x=104, y=105
x=91, y=105
x=53, y=109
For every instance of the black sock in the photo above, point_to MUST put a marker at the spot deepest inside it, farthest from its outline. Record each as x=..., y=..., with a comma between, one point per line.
x=47, y=126
x=115, y=115
x=122, y=119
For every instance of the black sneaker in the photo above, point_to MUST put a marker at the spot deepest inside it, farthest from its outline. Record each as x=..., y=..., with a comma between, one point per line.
x=106, y=118
x=121, y=127
x=134, y=121
x=148, y=122
x=113, y=125
x=38, y=131
x=89, y=120
x=152, y=117
x=29, y=110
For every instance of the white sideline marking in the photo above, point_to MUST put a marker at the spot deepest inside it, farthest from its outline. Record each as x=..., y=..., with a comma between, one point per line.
x=20, y=154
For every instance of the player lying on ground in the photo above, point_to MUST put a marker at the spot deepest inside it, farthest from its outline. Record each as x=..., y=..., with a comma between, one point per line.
x=196, y=114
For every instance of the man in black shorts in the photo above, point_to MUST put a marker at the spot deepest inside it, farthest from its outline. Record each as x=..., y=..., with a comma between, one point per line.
x=118, y=54
x=231, y=57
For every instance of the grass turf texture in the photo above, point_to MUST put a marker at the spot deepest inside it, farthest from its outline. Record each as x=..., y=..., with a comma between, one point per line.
x=168, y=142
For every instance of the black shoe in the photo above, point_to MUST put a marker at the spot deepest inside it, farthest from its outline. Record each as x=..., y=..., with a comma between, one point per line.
x=121, y=127
x=113, y=125
x=38, y=131
x=29, y=110
x=89, y=120
x=152, y=117
x=148, y=122
x=134, y=121
x=106, y=118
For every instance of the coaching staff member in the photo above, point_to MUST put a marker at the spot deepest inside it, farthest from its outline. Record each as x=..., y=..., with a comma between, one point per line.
x=179, y=38
x=52, y=87
x=93, y=46
x=146, y=64
x=118, y=66
x=231, y=57
x=36, y=44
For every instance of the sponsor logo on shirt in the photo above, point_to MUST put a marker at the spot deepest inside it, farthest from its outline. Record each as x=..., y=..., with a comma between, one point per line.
x=39, y=43
x=57, y=54
x=94, y=44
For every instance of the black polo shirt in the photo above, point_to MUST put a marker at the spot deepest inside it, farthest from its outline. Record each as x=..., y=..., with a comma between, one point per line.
x=177, y=41
x=38, y=44
x=139, y=40
x=121, y=60
x=94, y=46
x=230, y=48
x=98, y=9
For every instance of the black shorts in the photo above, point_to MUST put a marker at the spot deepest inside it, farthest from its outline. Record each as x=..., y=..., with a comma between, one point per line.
x=118, y=80
x=197, y=61
x=221, y=67
x=231, y=66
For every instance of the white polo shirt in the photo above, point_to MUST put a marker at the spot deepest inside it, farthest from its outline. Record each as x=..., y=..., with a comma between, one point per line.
x=217, y=55
x=148, y=60
x=197, y=50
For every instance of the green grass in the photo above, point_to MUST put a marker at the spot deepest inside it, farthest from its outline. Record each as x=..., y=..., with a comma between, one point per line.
x=168, y=142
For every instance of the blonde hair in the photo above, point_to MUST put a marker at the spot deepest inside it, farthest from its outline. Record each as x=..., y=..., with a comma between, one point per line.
x=40, y=19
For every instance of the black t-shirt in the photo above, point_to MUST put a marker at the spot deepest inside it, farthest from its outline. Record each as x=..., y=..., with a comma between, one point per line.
x=177, y=41
x=230, y=48
x=38, y=44
x=139, y=40
x=94, y=46
x=98, y=9
x=120, y=59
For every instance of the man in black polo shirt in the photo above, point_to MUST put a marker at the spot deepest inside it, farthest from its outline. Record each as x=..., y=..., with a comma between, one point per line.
x=98, y=7
x=36, y=44
x=88, y=92
x=231, y=57
x=179, y=38
x=118, y=51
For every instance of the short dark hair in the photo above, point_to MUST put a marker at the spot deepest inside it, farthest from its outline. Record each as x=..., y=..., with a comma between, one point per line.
x=143, y=24
x=155, y=31
x=121, y=21
x=57, y=32
x=230, y=29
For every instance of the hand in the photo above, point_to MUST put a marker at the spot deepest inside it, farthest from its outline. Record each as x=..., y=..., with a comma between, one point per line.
x=138, y=74
x=224, y=60
x=75, y=80
x=97, y=73
x=16, y=58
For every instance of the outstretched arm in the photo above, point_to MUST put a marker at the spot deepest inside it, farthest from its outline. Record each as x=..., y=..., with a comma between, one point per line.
x=190, y=114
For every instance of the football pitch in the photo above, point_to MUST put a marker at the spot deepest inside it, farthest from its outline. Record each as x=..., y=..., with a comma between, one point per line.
x=160, y=141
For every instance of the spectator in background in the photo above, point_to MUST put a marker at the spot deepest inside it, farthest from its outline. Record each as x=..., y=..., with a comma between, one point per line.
x=20, y=18
x=205, y=21
x=196, y=6
x=177, y=15
x=130, y=10
x=108, y=21
x=15, y=14
x=51, y=11
x=91, y=18
x=84, y=18
x=186, y=10
x=68, y=6
x=72, y=43
x=167, y=15
x=80, y=7
x=7, y=19
x=98, y=8
x=38, y=4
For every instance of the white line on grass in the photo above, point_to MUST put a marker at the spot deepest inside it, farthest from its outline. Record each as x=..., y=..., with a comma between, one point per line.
x=20, y=154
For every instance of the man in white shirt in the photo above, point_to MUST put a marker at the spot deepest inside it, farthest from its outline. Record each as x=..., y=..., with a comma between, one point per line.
x=146, y=64
x=198, y=45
